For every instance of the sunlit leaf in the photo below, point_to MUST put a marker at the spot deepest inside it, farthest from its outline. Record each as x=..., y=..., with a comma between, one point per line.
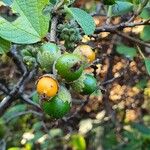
x=83, y=18
x=31, y=25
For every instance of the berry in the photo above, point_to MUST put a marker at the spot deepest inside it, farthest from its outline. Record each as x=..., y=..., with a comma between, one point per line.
x=48, y=54
x=47, y=86
x=69, y=67
x=59, y=105
x=86, y=84
x=85, y=51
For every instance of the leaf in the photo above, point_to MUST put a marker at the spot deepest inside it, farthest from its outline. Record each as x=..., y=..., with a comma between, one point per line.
x=78, y=142
x=8, y=2
x=14, y=148
x=84, y=19
x=4, y=46
x=56, y=132
x=129, y=52
x=145, y=13
x=142, y=84
x=145, y=33
x=147, y=64
x=145, y=131
x=31, y=25
x=121, y=8
x=13, y=110
x=35, y=97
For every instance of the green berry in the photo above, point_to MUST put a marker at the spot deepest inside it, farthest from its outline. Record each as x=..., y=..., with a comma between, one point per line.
x=59, y=105
x=48, y=54
x=86, y=84
x=69, y=67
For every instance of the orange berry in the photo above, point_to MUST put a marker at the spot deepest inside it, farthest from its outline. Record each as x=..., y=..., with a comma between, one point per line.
x=47, y=86
x=86, y=51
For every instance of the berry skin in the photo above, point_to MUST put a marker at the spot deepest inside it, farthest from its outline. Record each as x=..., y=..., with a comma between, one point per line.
x=69, y=67
x=48, y=53
x=85, y=51
x=85, y=85
x=59, y=105
x=47, y=86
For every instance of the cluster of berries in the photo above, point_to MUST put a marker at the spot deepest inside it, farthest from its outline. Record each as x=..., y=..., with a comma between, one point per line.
x=66, y=69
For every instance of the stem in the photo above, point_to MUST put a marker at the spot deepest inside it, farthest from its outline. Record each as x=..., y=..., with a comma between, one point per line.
x=109, y=15
x=53, y=29
x=141, y=53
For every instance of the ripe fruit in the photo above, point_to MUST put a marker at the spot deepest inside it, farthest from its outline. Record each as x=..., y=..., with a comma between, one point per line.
x=47, y=86
x=86, y=84
x=59, y=105
x=69, y=67
x=85, y=51
x=48, y=53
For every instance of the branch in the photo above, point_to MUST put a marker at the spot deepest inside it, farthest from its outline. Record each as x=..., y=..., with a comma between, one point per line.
x=139, y=10
x=23, y=113
x=78, y=110
x=22, y=96
x=6, y=102
x=132, y=39
x=52, y=36
x=17, y=59
x=120, y=26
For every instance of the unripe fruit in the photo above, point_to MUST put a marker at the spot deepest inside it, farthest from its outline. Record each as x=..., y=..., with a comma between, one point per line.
x=47, y=86
x=59, y=105
x=86, y=52
x=48, y=54
x=86, y=84
x=69, y=67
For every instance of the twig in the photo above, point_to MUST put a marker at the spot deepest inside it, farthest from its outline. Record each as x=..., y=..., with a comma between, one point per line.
x=17, y=59
x=120, y=26
x=132, y=38
x=139, y=10
x=53, y=29
x=2, y=144
x=6, y=102
x=23, y=113
x=22, y=96
x=78, y=110
x=141, y=53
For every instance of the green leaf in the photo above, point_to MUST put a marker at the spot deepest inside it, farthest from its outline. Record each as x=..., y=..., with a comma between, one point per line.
x=84, y=19
x=13, y=110
x=142, y=84
x=8, y=2
x=145, y=33
x=4, y=46
x=35, y=97
x=145, y=13
x=78, y=142
x=31, y=25
x=121, y=8
x=147, y=65
x=14, y=148
x=129, y=52
x=145, y=131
